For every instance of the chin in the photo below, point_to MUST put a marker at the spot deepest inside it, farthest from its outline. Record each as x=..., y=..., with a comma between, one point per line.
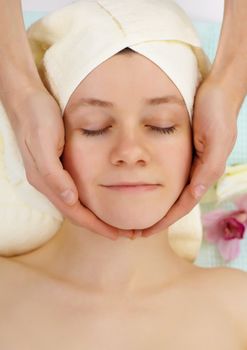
x=133, y=226
x=130, y=215
x=131, y=221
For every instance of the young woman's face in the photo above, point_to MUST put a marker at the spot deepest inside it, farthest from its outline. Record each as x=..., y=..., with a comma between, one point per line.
x=128, y=140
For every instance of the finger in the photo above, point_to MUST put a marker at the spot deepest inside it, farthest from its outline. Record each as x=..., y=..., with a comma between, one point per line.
x=206, y=170
x=201, y=180
x=77, y=214
x=182, y=206
x=82, y=216
x=88, y=219
x=127, y=233
x=50, y=168
x=138, y=233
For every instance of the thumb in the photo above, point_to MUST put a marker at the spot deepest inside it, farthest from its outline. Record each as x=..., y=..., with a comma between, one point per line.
x=207, y=167
x=50, y=171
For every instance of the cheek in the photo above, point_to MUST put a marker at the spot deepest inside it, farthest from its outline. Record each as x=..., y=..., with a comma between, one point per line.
x=78, y=163
x=176, y=163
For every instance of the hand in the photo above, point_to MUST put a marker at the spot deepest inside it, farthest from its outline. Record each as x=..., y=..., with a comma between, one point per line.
x=37, y=122
x=214, y=135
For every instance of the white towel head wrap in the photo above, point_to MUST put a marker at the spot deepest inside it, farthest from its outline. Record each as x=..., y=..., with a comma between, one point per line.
x=70, y=43
x=67, y=45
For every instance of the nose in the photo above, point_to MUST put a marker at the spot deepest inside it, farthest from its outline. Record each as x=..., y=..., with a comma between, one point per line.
x=130, y=150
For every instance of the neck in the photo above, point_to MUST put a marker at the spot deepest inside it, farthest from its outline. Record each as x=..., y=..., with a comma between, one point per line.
x=96, y=263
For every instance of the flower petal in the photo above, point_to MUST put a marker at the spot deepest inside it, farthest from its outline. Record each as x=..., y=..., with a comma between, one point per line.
x=229, y=250
x=211, y=217
x=231, y=228
x=241, y=202
x=212, y=234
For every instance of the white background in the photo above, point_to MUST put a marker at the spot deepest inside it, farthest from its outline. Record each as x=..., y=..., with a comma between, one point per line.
x=196, y=9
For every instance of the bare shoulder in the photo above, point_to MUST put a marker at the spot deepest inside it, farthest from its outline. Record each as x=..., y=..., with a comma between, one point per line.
x=7, y=266
x=6, y=269
x=229, y=287
x=8, y=272
x=11, y=269
x=9, y=286
x=12, y=276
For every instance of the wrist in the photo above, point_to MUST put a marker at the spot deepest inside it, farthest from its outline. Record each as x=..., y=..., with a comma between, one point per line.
x=16, y=80
x=230, y=76
x=17, y=102
x=229, y=65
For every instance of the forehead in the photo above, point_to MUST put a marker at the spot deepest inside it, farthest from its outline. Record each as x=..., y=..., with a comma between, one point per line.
x=125, y=78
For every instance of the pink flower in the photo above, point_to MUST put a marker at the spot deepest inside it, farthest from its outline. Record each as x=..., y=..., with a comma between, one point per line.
x=227, y=228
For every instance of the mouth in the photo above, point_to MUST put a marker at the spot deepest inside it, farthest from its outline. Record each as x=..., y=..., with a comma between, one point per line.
x=133, y=187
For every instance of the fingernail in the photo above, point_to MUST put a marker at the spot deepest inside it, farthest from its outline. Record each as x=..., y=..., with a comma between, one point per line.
x=68, y=197
x=138, y=233
x=114, y=238
x=131, y=234
x=145, y=235
x=199, y=191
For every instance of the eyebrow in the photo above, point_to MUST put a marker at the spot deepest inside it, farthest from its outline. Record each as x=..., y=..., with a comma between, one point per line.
x=149, y=102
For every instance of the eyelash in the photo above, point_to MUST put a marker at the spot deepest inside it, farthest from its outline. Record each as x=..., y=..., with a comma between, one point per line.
x=170, y=130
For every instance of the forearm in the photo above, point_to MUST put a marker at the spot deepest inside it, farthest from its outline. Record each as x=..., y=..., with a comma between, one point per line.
x=230, y=64
x=17, y=66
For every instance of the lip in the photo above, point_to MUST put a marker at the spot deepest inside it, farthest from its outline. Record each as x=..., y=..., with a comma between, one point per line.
x=128, y=183
x=133, y=187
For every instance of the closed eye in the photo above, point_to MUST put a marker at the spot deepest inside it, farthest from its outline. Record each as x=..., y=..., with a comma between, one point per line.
x=169, y=130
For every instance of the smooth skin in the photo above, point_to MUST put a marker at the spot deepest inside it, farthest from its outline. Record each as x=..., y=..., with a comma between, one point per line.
x=84, y=291
x=35, y=116
x=217, y=104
